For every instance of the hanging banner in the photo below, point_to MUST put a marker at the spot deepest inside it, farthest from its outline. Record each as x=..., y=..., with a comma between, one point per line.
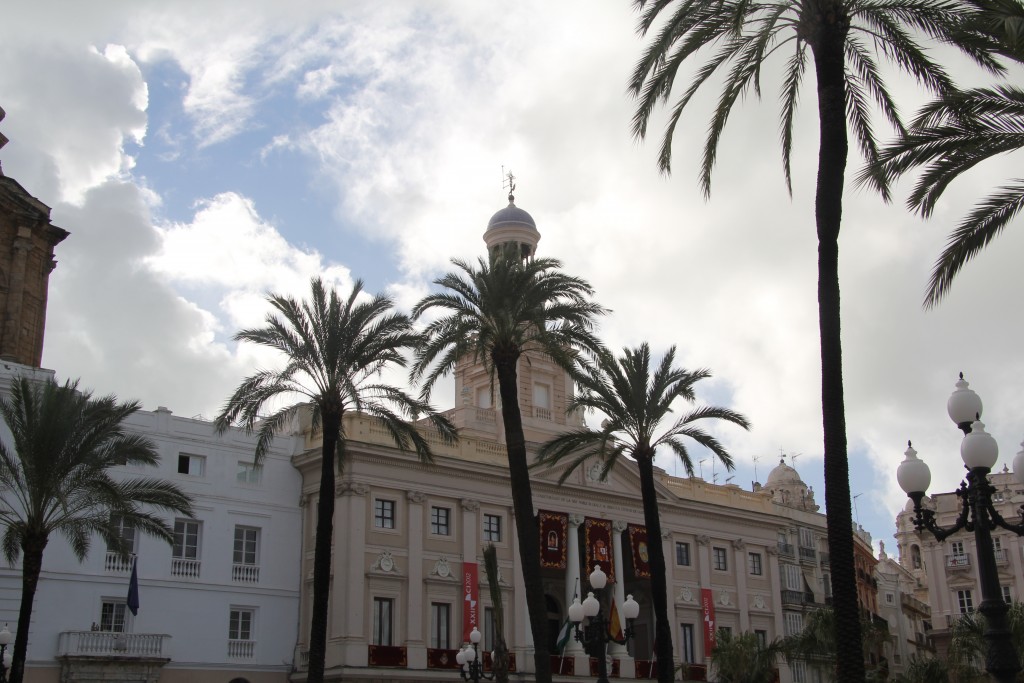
x=554, y=533
x=471, y=599
x=598, y=541
x=638, y=549
x=708, y=604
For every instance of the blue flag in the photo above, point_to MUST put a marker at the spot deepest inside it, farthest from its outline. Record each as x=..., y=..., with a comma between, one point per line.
x=133, y=589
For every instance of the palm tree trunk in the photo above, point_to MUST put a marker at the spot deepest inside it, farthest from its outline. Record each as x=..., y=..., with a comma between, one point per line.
x=322, y=548
x=32, y=565
x=832, y=25
x=522, y=502
x=656, y=557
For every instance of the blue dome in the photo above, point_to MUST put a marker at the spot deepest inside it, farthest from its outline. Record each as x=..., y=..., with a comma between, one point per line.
x=511, y=215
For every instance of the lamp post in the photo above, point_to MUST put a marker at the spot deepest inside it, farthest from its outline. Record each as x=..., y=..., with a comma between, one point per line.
x=471, y=661
x=596, y=630
x=5, y=657
x=979, y=452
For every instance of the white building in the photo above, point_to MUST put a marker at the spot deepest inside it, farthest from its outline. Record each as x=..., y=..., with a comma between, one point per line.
x=220, y=605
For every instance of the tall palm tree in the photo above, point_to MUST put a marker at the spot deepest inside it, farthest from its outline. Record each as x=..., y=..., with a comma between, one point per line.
x=638, y=405
x=952, y=135
x=497, y=311
x=968, y=645
x=335, y=350
x=738, y=37
x=817, y=646
x=55, y=478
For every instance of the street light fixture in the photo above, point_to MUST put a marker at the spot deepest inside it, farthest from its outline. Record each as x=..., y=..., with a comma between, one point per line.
x=596, y=630
x=979, y=452
x=470, y=660
x=5, y=656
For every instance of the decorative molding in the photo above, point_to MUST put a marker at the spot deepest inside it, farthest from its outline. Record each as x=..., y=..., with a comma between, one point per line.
x=415, y=496
x=685, y=594
x=442, y=568
x=351, y=488
x=470, y=505
x=385, y=563
x=619, y=527
x=739, y=544
x=758, y=602
x=303, y=500
x=724, y=600
x=772, y=550
x=703, y=539
x=575, y=520
x=594, y=474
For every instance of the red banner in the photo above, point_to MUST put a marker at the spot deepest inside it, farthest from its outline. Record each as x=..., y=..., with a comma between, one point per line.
x=638, y=549
x=554, y=532
x=598, y=540
x=471, y=599
x=708, y=605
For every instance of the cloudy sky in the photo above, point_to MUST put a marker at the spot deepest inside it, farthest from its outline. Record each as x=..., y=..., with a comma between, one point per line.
x=204, y=153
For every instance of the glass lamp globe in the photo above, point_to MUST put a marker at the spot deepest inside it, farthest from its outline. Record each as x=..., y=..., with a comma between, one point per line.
x=598, y=579
x=470, y=654
x=460, y=658
x=630, y=608
x=8, y=658
x=5, y=636
x=591, y=606
x=979, y=449
x=474, y=635
x=576, y=611
x=964, y=405
x=913, y=475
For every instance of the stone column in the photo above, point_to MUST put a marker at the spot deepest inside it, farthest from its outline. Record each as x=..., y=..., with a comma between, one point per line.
x=619, y=587
x=416, y=646
x=739, y=547
x=775, y=580
x=348, y=587
x=573, y=584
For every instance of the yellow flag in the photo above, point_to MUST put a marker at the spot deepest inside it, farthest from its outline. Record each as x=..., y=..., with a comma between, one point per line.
x=614, y=625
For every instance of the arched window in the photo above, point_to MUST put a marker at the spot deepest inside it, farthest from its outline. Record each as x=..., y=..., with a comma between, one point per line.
x=915, y=556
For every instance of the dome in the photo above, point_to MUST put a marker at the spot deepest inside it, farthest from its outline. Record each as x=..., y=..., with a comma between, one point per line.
x=783, y=475
x=511, y=215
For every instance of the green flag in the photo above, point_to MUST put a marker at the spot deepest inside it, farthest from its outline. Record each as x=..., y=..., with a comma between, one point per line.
x=564, y=635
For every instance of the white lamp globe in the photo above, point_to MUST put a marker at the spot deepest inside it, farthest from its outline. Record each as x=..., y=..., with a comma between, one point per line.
x=591, y=606
x=5, y=636
x=460, y=658
x=8, y=659
x=1018, y=464
x=474, y=635
x=630, y=608
x=964, y=405
x=979, y=449
x=470, y=654
x=576, y=611
x=598, y=579
x=913, y=475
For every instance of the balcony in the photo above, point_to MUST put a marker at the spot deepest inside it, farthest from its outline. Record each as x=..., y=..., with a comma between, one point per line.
x=912, y=603
x=542, y=413
x=111, y=644
x=1002, y=557
x=188, y=569
x=793, y=597
x=958, y=561
x=245, y=573
x=786, y=550
x=117, y=564
x=826, y=559
x=241, y=649
x=808, y=555
x=485, y=415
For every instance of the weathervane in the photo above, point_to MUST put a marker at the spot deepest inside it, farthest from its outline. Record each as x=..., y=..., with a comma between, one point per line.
x=508, y=180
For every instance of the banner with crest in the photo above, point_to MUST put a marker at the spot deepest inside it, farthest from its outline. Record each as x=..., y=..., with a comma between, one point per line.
x=554, y=534
x=638, y=549
x=598, y=542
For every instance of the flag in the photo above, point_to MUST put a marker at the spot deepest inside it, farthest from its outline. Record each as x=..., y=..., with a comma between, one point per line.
x=133, y=589
x=564, y=635
x=614, y=624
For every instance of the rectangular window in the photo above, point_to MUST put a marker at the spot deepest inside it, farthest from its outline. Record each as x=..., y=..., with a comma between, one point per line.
x=754, y=561
x=794, y=578
x=440, y=523
x=806, y=538
x=247, y=542
x=720, y=561
x=440, y=623
x=383, y=615
x=890, y=599
x=483, y=398
x=997, y=543
x=965, y=601
x=794, y=623
x=125, y=532
x=762, y=638
x=541, y=396
x=186, y=539
x=492, y=528
x=249, y=474
x=1007, y=598
x=686, y=639
x=957, y=548
x=683, y=554
x=194, y=465
x=384, y=514
x=799, y=672
x=240, y=624
x=112, y=615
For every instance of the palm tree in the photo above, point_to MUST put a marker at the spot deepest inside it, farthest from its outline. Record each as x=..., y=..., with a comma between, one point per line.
x=638, y=404
x=335, y=351
x=955, y=133
x=55, y=478
x=498, y=311
x=816, y=644
x=743, y=658
x=968, y=645
x=740, y=36
x=924, y=670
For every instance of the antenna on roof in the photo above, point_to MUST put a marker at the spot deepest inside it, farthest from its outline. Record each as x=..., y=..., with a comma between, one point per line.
x=756, y=458
x=856, y=514
x=793, y=458
x=508, y=181
x=728, y=479
x=701, y=466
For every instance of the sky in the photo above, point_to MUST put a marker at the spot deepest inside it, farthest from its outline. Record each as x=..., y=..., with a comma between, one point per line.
x=202, y=154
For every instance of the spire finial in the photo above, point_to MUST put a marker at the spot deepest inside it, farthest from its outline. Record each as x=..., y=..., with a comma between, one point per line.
x=508, y=180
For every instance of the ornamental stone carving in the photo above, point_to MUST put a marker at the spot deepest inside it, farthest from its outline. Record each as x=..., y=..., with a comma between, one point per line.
x=758, y=602
x=619, y=527
x=739, y=544
x=351, y=488
x=385, y=562
x=575, y=519
x=415, y=496
x=685, y=594
x=441, y=568
x=724, y=599
x=470, y=505
x=703, y=539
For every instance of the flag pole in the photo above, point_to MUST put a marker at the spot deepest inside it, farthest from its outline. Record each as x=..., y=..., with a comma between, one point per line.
x=561, y=654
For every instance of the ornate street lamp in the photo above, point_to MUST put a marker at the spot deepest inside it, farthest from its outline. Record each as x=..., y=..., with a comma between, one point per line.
x=5, y=657
x=979, y=452
x=596, y=630
x=470, y=660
